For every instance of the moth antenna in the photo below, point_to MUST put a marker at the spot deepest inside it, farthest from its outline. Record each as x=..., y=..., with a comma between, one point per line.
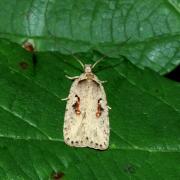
x=78, y=60
x=98, y=61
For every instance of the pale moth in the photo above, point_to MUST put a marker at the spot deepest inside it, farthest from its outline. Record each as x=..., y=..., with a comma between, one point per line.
x=86, y=121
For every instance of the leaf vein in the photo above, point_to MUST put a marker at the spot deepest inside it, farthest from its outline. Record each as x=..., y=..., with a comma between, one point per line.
x=26, y=121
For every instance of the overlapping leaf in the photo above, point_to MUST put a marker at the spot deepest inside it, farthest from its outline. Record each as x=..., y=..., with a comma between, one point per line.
x=149, y=30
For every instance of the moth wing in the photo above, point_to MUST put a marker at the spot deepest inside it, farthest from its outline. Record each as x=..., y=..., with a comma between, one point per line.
x=89, y=127
x=73, y=126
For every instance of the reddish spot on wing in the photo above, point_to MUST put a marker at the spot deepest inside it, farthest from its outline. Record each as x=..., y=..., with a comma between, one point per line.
x=76, y=106
x=99, y=109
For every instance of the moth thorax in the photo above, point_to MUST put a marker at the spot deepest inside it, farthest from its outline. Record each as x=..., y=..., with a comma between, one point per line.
x=89, y=76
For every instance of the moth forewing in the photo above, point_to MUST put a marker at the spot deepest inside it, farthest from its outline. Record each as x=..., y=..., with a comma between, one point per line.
x=86, y=122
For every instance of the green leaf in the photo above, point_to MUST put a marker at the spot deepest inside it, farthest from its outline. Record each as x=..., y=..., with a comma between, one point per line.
x=147, y=32
x=144, y=120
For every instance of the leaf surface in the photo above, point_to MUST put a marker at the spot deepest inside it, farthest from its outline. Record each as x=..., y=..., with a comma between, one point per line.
x=144, y=120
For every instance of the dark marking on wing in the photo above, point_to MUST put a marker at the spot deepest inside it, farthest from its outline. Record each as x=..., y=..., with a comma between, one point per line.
x=99, y=108
x=76, y=105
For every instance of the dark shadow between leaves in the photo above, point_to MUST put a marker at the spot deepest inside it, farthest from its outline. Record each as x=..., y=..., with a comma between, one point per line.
x=174, y=75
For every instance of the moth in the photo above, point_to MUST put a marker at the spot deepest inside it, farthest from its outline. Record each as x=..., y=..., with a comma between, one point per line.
x=86, y=120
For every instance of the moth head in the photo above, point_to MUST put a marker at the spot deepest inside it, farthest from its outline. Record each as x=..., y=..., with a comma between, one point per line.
x=87, y=68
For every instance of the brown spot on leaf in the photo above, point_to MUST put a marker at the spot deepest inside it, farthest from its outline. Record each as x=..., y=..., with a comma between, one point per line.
x=57, y=175
x=23, y=65
x=129, y=168
x=28, y=46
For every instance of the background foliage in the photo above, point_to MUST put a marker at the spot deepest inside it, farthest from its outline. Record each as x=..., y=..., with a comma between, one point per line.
x=145, y=115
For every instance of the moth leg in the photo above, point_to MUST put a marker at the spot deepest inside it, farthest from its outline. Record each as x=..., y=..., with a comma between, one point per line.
x=109, y=107
x=103, y=82
x=65, y=99
x=72, y=78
